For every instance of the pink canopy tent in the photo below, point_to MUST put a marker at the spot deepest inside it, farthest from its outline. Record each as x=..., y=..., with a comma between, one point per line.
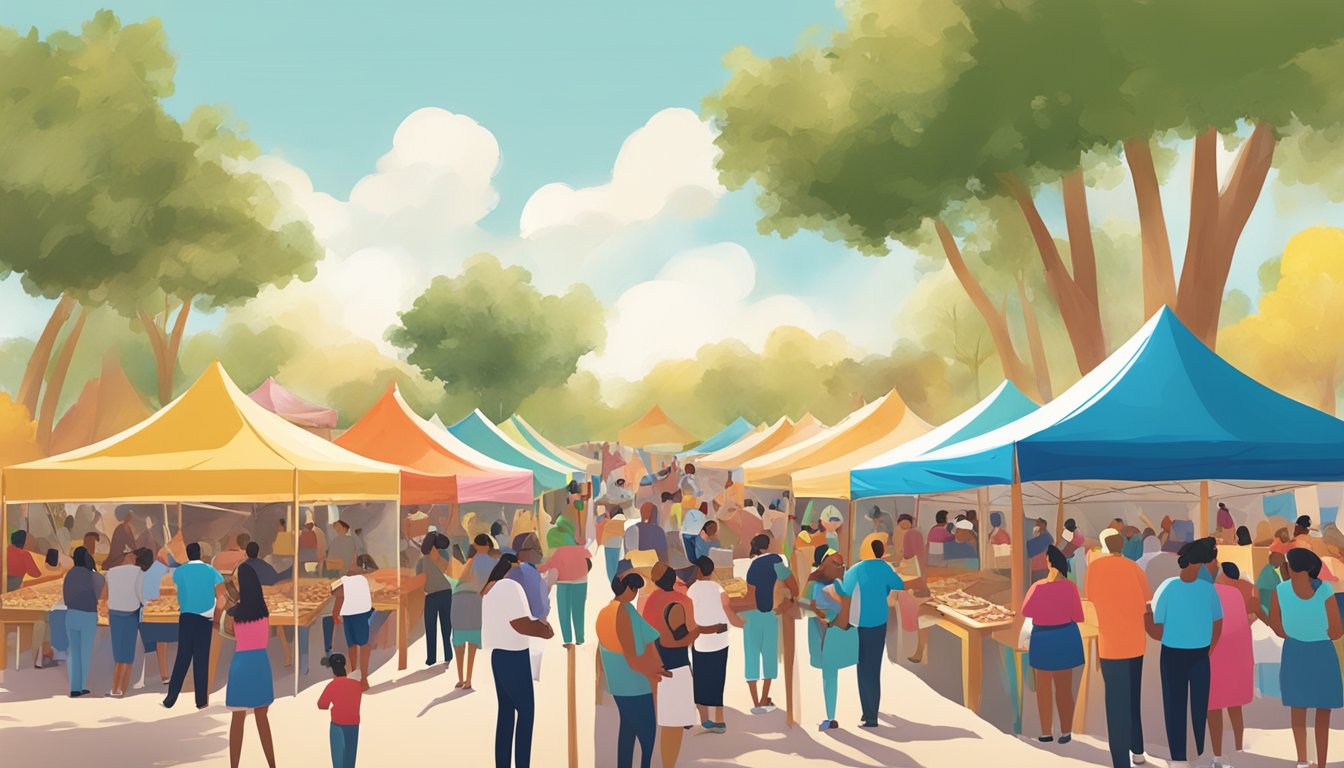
x=272, y=396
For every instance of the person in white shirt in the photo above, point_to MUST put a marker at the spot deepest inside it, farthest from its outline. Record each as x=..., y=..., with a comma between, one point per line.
x=709, y=652
x=124, y=592
x=353, y=609
x=506, y=625
x=692, y=520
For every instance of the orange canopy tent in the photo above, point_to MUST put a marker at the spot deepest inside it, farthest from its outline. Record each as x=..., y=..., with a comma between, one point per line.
x=654, y=431
x=864, y=434
x=106, y=406
x=437, y=468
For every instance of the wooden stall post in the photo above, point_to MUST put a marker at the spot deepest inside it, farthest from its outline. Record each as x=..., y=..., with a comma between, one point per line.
x=1203, y=518
x=1017, y=525
x=1059, y=513
x=294, y=531
x=786, y=635
x=916, y=515
x=4, y=568
x=573, y=702
x=982, y=529
x=403, y=620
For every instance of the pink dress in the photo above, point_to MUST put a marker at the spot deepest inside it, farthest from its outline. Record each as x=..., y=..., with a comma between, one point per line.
x=1231, y=664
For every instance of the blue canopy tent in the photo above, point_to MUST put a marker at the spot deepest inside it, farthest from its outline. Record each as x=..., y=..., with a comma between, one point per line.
x=1163, y=408
x=1003, y=406
x=480, y=433
x=722, y=439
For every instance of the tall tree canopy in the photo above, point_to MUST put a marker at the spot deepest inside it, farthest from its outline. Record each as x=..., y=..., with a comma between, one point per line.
x=894, y=126
x=490, y=332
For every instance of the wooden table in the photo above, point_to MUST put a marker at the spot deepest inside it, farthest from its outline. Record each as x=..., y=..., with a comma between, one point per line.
x=971, y=632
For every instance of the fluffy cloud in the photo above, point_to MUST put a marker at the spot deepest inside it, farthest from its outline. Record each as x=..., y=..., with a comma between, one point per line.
x=665, y=167
x=701, y=296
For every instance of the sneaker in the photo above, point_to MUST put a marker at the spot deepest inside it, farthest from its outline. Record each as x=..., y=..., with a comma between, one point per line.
x=1046, y=739
x=326, y=660
x=769, y=707
x=720, y=727
x=826, y=725
x=1138, y=758
x=1066, y=738
x=759, y=710
x=868, y=724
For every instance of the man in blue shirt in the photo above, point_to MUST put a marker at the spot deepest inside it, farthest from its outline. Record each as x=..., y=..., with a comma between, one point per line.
x=1187, y=617
x=868, y=584
x=200, y=600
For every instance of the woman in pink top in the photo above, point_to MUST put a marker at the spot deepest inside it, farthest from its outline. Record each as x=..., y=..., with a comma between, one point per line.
x=250, y=671
x=1056, y=649
x=1231, y=663
x=571, y=563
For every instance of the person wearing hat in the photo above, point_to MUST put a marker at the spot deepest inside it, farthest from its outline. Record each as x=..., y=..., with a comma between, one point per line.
x=962, y=551
x=570, y=562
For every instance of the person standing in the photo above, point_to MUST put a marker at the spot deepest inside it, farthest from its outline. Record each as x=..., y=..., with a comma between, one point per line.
x=1187, y=618
x=506, y=627
x=434, y=567
x=571, y=563
x=612, y=536
x=761, y=633
x=155, y=636
x=342, y=549
x=1055, y=610
x=353, y=610
x=125, y=594
x=669, y=611
x=1305, y=614
x=631, y=665
x=200, y=599
x=831, y=647
x=250, y=686
x=693, y=519
x=466, y=616
x=1231, y=662
x=647, y=534
x=1038, y=563
x=342, y=696
x=20, y=562
x=122, y=543
x=1119, y=591
x=870, y=581
x=709, y=652
x=80, y=591
x=1269, y=579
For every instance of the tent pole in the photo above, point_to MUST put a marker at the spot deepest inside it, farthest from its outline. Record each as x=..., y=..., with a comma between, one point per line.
x=1059, y=513
x=4, y=553
x=179, y=523
x=982, y=527
x=1018, y=524
x=294, y=529
x=1203, y=509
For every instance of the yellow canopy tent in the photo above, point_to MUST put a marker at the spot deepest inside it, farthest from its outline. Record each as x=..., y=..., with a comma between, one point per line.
x=881, y=421
x=654, y=431
x=106, y=406
x=777, y=436
x=830, y=480
x=212, y=443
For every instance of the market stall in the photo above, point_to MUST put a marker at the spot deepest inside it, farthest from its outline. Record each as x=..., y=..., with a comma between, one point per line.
x=274, y=397
x=520, y=431
x=655, y=432
x=213, y=444
x=724, y=438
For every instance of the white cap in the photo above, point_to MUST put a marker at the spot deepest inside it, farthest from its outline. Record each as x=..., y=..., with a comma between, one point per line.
x=1106, y=534
x=963, y=525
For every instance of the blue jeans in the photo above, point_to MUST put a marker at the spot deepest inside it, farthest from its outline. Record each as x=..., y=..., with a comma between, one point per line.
x=637, y=723
x=1124, y=713
x=438, y=616
x=613, y=555
x=344, y=745
x=571, y=598
x=80, y=628
x=872, y=644
x=517, y=707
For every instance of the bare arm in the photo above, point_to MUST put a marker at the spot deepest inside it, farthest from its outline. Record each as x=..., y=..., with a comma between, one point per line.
x=733, y=618
x=1217, y=632
x=1154, y=629
x=1336, y=627
x=1275, y=621
x=339, y=594
x=219, y=601
x=647, y=664
x=532, y=628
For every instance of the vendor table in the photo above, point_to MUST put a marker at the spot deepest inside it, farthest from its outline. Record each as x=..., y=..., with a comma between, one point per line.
x=971, y=620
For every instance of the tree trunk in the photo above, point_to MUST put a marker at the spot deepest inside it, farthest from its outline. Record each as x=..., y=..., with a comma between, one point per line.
x=1217, y=219
x=174, y=343
x=158, y=344
x=1082, y=252
x=1039, y=363
x=1159, y=277
x=1013, y=367
x=1081, y=317
x=51, y=398
x=36, y=371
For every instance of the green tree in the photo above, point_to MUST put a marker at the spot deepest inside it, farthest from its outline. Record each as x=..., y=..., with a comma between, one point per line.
x=490, y=333
x=895, y=123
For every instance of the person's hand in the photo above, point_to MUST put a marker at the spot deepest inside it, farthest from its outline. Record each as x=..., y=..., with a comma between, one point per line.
x=663, y=672
x=547, y=631
x=841, y=621
x=336, y=618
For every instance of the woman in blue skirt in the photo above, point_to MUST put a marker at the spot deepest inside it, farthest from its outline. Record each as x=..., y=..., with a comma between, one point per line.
x=1305, y=614
x=1056, y=649
x=250, y=685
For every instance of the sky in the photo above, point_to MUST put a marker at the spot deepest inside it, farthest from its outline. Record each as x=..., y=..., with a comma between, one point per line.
x=561, y=136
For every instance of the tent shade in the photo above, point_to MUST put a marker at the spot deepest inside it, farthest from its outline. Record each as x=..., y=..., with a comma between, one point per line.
x=272, y=396
x=881, y=421
x=523, y=433
x=1162, y=407
x=211, y=443
x=1003, y=406
x=480, y=433
x=830, y=479
x=654, y=431
x=106, y=406
x=725, y=437
x=437, y=468
x=781, y=434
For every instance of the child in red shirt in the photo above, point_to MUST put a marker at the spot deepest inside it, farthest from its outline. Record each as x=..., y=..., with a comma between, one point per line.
x=342, y=696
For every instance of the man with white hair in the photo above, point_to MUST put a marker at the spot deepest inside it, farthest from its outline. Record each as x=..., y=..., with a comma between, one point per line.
x=1120, y=593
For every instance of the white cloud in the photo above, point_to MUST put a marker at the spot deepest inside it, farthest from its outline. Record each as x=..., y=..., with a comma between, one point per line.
x=664, y=167
x=700, y=296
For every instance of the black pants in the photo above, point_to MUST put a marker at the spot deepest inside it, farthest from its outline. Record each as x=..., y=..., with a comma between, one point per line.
x=872, y=641
x=517, y=707
x=193, y=650
x=638, y=723
x=1124, y=715
x=438, y=615
x=1185, y=683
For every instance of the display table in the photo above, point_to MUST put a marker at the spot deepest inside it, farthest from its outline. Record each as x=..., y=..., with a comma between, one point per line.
x=970, y=605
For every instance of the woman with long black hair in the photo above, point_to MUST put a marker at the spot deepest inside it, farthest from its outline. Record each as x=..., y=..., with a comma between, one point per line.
x=506, y=625
x=1056, y=649
x=250, y=685
x=80, y=590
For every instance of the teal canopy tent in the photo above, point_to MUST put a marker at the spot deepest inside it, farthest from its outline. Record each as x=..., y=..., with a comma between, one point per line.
x=722, y=439
x=880, y=477
x=478, y=432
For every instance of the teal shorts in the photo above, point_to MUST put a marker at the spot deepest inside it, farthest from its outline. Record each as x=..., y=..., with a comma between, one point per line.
x=761, y=636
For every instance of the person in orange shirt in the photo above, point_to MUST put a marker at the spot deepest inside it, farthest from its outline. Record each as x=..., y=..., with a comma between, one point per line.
x=1119, y=591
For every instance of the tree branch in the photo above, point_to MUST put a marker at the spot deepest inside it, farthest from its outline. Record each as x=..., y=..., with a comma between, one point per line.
x=1159, y=277
x=1039, y=364
x=1082, y=252
x=51, y=398
x=30, y=388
